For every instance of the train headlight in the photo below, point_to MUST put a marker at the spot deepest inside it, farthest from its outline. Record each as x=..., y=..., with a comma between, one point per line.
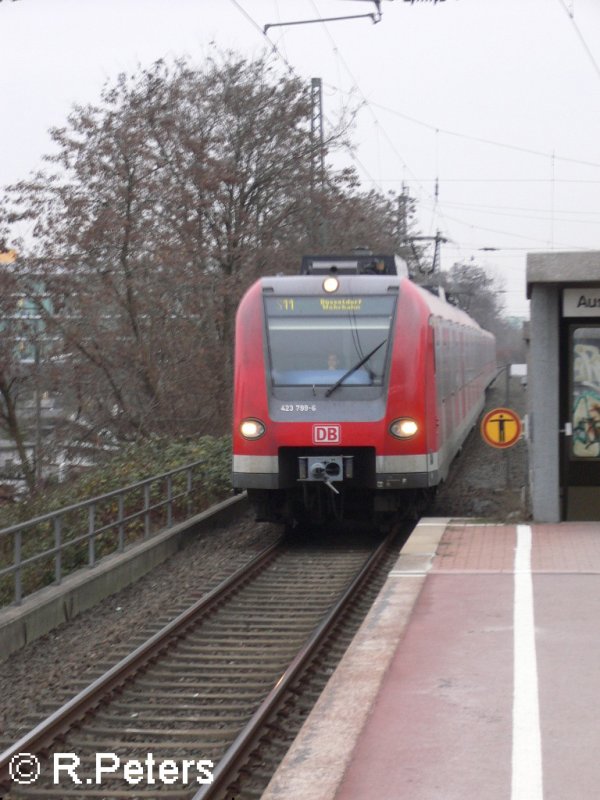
x=252, y=428
x=331, y=284
x=404, y=428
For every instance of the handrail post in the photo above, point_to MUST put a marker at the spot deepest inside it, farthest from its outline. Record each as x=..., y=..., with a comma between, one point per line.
x=146, y=510
x=91, y=540
x=169, y=501
x=189, y=490
x=121, y=544
x=58, y=548
x=17, y=565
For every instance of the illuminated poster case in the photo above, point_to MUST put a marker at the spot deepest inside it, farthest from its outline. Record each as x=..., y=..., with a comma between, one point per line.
x=584, y=302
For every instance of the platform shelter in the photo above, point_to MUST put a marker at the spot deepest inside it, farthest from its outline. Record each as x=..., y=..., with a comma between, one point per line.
x=564, y=385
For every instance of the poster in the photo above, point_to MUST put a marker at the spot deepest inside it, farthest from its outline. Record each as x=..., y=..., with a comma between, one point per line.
x=586, y=393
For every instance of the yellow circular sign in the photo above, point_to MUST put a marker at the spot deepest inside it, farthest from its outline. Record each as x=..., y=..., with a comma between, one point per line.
x=501, y=428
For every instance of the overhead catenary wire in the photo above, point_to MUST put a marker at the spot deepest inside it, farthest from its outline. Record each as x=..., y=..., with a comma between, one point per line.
x=495, y=180
x=508, y=233
x=365, y=102
x=537, y=215
x=380, y=129
x=290, y=68
x=340, y=59
x=428, y=195
x=433, y=196
x=435, y=203
x=263, y=34
x=483, y=140
x=527, y=209
x=584, y=44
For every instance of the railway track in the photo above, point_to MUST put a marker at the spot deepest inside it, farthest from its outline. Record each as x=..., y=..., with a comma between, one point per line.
x=206, y=706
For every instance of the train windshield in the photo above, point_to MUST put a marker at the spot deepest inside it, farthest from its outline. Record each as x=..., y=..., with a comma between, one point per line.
x=316, y=341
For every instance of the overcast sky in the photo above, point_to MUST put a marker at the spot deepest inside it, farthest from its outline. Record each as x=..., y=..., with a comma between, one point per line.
x=499, y=100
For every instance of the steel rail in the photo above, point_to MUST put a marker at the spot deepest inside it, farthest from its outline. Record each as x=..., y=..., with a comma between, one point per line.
x=231, y=763
x=41, y=738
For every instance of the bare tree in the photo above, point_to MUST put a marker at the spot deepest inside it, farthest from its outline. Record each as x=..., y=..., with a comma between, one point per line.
x=162, y=203
x=17, y=371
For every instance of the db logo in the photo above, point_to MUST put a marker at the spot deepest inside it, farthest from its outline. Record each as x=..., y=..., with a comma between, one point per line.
x=327, y=434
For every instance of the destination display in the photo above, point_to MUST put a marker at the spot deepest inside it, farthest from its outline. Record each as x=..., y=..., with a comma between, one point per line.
x=324, y=306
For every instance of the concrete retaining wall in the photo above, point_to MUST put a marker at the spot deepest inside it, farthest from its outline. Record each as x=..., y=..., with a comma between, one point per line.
x=44, y=610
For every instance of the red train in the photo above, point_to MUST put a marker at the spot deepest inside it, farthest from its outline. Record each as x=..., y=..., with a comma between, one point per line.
x=354, y=390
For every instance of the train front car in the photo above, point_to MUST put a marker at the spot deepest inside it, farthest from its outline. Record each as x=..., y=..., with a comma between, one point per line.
x=337, y=412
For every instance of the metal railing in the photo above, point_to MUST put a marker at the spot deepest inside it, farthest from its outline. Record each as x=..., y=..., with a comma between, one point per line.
x=49, y=547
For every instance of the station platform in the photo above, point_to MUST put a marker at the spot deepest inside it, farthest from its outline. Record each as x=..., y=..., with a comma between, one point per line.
x=476, y=674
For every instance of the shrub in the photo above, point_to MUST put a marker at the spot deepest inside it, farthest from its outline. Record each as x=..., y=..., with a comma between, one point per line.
x=211, y=481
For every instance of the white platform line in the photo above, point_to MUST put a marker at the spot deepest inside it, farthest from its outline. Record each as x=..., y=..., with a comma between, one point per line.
x=527, y=780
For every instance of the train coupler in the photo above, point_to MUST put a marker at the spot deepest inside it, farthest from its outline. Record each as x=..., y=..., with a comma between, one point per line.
x=326, y=469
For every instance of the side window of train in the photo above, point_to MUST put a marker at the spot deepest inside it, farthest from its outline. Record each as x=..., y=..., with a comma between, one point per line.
x=439, y=362
x=447, y=365
x=451, y=359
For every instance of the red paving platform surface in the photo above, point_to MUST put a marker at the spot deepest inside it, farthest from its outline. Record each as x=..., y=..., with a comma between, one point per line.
x=476, y=675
